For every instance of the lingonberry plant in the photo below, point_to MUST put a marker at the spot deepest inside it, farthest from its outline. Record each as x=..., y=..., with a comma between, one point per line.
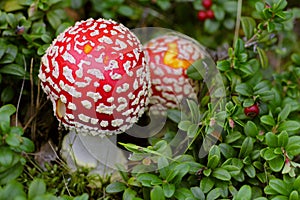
x=245, y=145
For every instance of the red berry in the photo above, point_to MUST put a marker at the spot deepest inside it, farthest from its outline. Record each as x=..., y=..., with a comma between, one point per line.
x=252, y=111
x=210, y=14
x=202, y=15
x=206, y=3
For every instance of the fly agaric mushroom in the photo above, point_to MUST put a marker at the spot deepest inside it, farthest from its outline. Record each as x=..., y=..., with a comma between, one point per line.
x=96, y=77
x=169, y=57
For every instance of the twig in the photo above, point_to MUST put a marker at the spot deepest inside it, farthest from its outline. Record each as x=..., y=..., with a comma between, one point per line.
x=238, y=21
x=22, y=88
x=33, y=116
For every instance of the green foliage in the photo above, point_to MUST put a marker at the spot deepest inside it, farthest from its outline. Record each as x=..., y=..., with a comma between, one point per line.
x=227, y=155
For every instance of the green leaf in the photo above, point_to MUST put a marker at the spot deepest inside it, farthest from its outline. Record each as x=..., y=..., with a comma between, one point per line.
x=197, y=70
x=268, y=154
x=206, y=184
x=247, y=147
x=277, y=163
x=126, y=10
x=268, y=120
x=197, y=192
x=192, y=130
x=271, y=139
x=7, y=94
x=157, y=193
x=263, y=57
x=129, y=194
x=10, y=54
x=13, y=140
x=283, y=139
x=221, y=174
x=232, y=137
x=227, y=150
x=223, y=65
x=115, y=187
x=219, y=13
x=169, y=189
x=244, y=89
x=244, y=193
x=280, y=186
x=250, y=171
x=184, y=125
x=294, y=195
x=214, y=157
x=293, y=146
x=149, y=179
x=183, y=193
x=13, y=69
x=174, y=115
x=250, y=129
x=214, y=194
x=53, y=18
x=36, y=188
x=289, y=126
x=195, y=113
x=13, y=190
x=11, y=173
x=284, y=113
x=211, y=26
x=162, y=164
x=248, y=25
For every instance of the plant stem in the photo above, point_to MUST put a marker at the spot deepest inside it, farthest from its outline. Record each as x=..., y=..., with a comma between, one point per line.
x=238, y=21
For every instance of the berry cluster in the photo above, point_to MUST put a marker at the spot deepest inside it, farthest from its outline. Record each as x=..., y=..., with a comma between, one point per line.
x=207, y=13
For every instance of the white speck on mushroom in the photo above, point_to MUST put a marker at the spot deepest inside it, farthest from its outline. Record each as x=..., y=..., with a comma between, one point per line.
x=107, y=88
x=94, y=120
x=102, y=26
x=122, y=45
x=94, y=95
x=83, y=84
x=101, y=108
x=71, y=106
x=63, y=98
x=113, y=64
x=110, y=99
x=69, y=116
x=67, y=72
x=117, y=122
x=96, y=84
x=70, y=89
x=131, y=96
x=79, y=72
x=100, y=58
x=135, y=85
x=129, y=42
x=97, y=73
x=122, y=88
x=83, y=117
x=87, y=104
x=104, y=123
x=46, y=64
x=115, y=76
x=55, y=71
x=113, y=32
x=128, y=112
x=68, y=57
x=105, y=39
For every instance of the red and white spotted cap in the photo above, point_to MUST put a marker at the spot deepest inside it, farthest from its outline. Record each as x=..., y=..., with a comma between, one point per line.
x=169, y=56
x=96, y=76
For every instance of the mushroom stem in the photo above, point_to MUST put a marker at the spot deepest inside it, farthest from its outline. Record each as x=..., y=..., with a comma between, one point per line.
x=101, y=154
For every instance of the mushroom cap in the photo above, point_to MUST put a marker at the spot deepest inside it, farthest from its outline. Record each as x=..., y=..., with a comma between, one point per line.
x=169, y=57
x=96, y=76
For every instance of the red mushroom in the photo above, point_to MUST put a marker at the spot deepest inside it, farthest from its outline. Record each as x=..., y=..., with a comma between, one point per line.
x=96, y=76
x=169, y=57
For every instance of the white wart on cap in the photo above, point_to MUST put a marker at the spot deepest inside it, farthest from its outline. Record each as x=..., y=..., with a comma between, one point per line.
x=96, y=77
x=169, y=57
